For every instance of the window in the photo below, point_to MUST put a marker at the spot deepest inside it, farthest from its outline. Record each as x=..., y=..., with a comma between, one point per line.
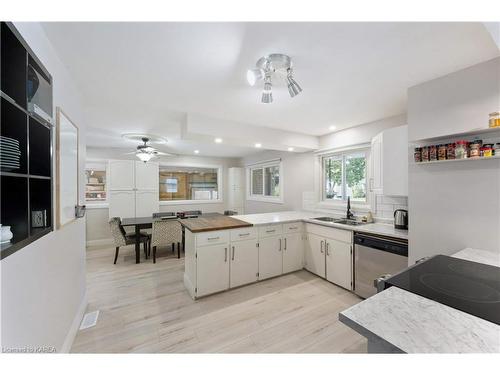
x=265, y=182
x=95, y=188
x=344, y=175
x=188, y=183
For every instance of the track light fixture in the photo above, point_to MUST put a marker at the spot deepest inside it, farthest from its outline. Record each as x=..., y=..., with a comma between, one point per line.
x=275, y=64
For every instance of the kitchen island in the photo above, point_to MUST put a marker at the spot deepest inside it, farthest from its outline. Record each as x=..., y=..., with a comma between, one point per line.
x=228, y=252
x=398, y=321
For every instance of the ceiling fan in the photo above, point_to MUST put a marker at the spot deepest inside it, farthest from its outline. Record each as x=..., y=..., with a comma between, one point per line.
x=146, y=152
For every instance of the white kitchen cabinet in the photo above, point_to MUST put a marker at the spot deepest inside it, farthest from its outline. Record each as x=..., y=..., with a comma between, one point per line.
x=270, y=257
x=212, y=271
x=236, y=190
x=244, y=267
x=293, y=252
x=121, y=203
x=146, y=203
x=389, y=162
x=121, y=175
x=315, y=254
x=339, y=263
x=146, y=175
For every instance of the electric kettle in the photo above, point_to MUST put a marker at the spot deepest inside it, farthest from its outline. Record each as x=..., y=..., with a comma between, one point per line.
x=401, y=219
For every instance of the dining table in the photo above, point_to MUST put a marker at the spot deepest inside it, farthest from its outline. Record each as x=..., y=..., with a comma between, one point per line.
x=146, y=222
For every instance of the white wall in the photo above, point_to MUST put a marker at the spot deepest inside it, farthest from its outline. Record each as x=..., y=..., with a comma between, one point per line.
x=97, y=218
x=43, y=284
x=456, y=205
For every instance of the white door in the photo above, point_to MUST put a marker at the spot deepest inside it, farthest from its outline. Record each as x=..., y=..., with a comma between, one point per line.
x=244, y=266
x=270, y=257
x=121, y=175
x=121, y=204
x=339, y=263
x=377, y=164
x=212, y=269
x=147, y=175
x=315, y=254
x=293, y=250
x=146, y=203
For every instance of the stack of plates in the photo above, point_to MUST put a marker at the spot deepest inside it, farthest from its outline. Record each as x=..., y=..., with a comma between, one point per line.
x=9, y=153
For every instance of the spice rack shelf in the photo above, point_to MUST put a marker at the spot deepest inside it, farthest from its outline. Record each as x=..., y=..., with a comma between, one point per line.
x=493, y=132
x=457, y=160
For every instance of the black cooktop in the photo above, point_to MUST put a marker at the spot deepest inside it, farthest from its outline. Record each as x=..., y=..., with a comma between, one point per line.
x=464, y=285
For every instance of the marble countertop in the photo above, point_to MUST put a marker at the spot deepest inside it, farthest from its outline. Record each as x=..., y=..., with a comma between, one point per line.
x=414, y=324
x=289, y=216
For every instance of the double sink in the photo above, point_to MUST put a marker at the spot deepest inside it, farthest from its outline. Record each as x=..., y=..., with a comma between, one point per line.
x=338, y=221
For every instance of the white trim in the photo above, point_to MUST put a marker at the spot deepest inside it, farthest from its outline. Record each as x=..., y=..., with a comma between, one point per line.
x=100, y=242
x=191, y=201
x=75, y=325
x=262, y=163
x=338, y=150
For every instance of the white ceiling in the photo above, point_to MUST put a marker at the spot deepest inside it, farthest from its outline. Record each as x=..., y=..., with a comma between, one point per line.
x=146, y=77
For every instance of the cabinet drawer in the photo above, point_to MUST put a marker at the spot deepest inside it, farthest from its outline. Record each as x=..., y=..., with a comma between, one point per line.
x=243, y=234
x=270, y=230
x=212, y=238
x=295, y=227
x=328, y=232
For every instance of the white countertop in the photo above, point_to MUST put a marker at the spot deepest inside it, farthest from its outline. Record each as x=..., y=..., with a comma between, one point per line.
x=289, y=216
x=415, y=324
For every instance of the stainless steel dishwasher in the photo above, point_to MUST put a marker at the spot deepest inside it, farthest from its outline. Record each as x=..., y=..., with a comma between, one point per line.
x=376, y=256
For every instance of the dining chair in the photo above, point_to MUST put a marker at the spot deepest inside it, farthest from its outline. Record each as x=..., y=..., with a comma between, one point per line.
x=121, y=238
x=166, y=232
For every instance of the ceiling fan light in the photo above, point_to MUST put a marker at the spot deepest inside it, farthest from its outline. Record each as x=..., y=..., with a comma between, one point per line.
x=293, y=87
x=267, y=97
x=253, y=75
x=144, y=156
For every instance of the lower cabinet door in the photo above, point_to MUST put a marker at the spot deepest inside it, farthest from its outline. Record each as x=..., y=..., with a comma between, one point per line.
x=244, y=266
x=146, y=203
x=293, y=250
x=270, y=257
x=121, y=203
x=315, y=254
x=339, y=263
x=212, y=269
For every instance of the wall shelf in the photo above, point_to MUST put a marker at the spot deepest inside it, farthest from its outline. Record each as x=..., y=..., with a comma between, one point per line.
x=494, y=132
x=457, y=160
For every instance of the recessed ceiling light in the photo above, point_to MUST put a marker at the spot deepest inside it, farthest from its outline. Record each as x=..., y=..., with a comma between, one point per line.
x=196, y=151
x=218, y=140
x=332, y=127
x=290, y=148
x=258, y=145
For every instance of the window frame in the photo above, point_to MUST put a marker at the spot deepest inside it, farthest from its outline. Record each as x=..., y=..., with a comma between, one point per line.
x=262, y=197
x=342, y=155
x=220, y=189
x=100, y=166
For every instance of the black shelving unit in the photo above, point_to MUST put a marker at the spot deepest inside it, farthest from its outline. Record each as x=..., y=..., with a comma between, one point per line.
x=26, y=175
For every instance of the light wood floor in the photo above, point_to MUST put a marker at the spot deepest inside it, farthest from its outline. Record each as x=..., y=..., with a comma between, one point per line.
x=144, y=308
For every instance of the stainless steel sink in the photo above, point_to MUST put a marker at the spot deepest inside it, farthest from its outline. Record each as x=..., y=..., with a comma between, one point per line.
x=338, y=221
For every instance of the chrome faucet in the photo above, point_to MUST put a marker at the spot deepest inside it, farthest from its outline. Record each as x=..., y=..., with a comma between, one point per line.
x=349, y=214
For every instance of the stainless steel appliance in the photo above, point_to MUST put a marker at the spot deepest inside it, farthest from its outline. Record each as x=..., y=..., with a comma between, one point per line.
x=401, y=219
x=376, y=256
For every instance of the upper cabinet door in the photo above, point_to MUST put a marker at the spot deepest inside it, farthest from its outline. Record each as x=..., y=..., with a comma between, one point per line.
x=13, y=66
x=395, y=159
x=121, y=175
x=147, y=176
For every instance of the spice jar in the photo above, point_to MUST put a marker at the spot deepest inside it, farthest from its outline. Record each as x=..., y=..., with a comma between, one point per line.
x=433, y=153
x=475, y=149
x=494, y=120
x=487, y=151
x=417, y=155
x=450, y=151
x=461, y=150
x=425, y=153
x=442, y=152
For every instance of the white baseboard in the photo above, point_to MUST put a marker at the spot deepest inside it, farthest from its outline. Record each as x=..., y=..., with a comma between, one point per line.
x=75, y=326
x=101, y=242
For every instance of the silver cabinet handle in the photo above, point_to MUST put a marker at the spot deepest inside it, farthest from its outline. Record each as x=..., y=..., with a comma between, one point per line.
x=271, y=231
x=233, y=253
x=212, y=238
x=225, y=254
x=243, y=234
x=321, y=247
x=327, y=248
x=285, y=244
x=280, y=245
x=293, y=228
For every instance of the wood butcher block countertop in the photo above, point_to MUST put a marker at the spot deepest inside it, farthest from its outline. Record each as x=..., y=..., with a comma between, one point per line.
x=210, y=223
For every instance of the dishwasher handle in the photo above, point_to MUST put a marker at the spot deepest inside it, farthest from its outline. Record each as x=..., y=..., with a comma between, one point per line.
x=382, y=244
